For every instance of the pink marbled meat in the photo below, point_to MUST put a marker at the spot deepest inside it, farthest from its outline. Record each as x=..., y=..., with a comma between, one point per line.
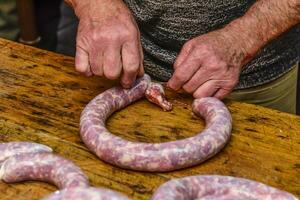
x=86, y=194
x=155, y=93
x=146, y=156
x=43, y=167
x=215, y=187
x=14, y=148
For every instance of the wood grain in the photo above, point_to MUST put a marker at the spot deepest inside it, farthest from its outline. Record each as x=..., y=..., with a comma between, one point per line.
x=42, y=97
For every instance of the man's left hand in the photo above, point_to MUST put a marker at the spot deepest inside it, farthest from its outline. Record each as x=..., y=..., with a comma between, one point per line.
x=209, y=65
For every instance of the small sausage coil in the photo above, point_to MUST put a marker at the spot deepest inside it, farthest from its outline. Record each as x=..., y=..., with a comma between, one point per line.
x=214, y=187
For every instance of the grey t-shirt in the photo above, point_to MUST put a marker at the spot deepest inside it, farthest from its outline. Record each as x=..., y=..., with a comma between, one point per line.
x=166, y=25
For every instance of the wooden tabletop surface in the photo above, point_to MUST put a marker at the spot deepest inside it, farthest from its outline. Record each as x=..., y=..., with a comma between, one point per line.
x=41, y=98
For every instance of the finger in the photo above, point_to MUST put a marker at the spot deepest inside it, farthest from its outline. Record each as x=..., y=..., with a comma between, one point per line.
x=183, y=73
x=82, y=61
x=184, y=52
x=131, y=61
x=209, y=69
x=207, y=89
x=96, y=63
x=112, y=65
x=198, y=79
x=141, y=69
x=222, y=93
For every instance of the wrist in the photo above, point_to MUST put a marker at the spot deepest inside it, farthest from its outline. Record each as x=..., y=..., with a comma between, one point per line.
x=97, y=10
x=245, y=37
x=263, y=22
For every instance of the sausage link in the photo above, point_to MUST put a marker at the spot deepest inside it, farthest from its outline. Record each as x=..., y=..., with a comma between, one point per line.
x=45, y=167
x=86, y=194
x=14, y=148
x=214, y=187
x=157, y=156
x=155, y=93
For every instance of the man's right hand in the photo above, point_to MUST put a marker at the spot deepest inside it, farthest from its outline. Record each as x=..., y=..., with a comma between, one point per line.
x=108, y=40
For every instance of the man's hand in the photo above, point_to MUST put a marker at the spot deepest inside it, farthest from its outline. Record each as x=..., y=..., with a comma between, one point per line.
x=209, y=65
x=108, y=40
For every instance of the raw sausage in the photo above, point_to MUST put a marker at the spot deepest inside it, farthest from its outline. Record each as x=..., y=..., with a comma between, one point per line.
x=155, y=93
x=46, y=167
x=146, y=156
x=14, y=148
x=216, y=187
x=86, y=194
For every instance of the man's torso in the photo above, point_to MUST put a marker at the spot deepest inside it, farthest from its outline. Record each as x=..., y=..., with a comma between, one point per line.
x=166, y=25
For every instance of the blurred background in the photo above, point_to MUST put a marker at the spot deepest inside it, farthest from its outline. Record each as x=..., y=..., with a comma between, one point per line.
x=47, y=24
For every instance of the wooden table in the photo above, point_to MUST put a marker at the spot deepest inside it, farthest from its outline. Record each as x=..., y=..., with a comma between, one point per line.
x=42, y=97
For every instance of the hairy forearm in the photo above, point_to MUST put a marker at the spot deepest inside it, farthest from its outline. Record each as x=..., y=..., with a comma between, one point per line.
x=264, y=21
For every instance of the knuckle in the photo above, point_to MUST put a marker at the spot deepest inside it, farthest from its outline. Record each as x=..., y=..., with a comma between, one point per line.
x=96, y=36
x=204, y=47
x=133, y=32
x=132, y=37
x=188, y=45
x=130, y=33
x=126, y=34
x=105, y=37
x=214, y=67
x=113, y=37
x=213, y=64
x=210, y=67
x=123, y=32
x=203, y=52
x=176, y=65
